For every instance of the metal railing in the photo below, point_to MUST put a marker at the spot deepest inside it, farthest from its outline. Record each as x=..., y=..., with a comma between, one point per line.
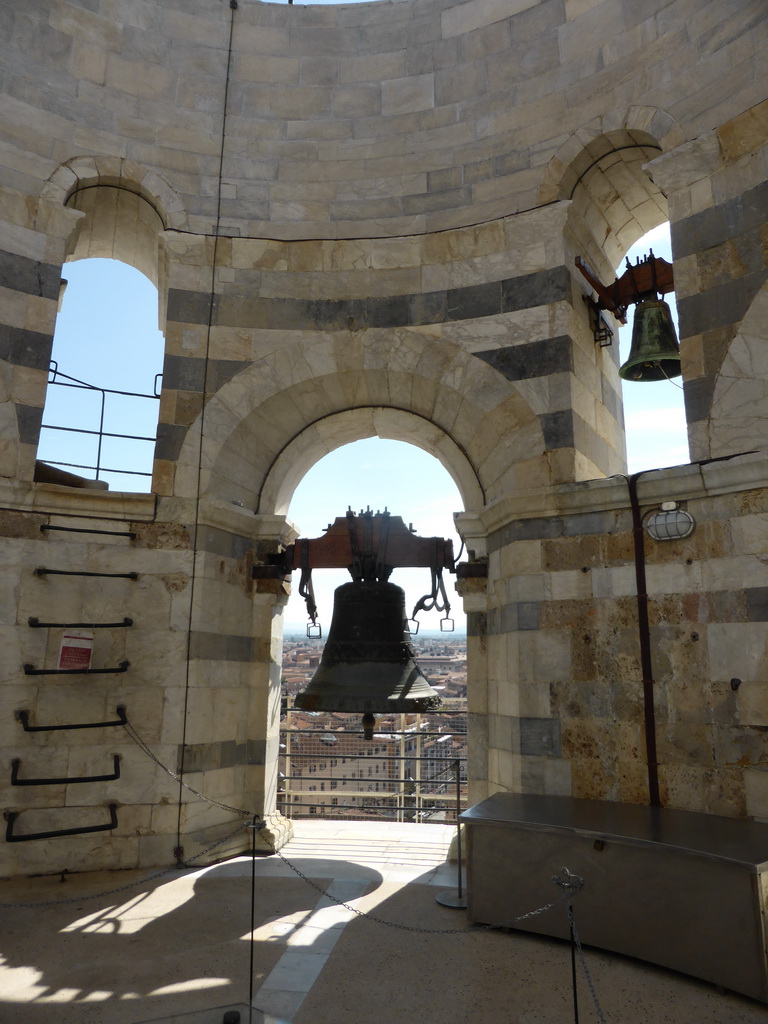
x=64, y=380
x=405, y=773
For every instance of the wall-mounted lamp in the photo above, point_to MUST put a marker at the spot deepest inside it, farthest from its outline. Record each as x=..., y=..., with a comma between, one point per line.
x=670, y=522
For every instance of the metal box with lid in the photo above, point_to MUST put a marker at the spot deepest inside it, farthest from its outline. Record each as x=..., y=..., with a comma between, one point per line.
x=680, y=889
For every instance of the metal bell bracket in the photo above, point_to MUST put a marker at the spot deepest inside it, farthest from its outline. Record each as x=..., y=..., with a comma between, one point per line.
x=368, y=544
x=432, y=601
x=649, y=277
x=307, y=591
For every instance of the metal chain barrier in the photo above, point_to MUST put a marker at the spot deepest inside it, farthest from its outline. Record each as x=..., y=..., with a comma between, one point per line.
x=572, y=885
x=569, y=883
x=406, y=927
x=585, y=968
x=567, y=895
x=175, y=775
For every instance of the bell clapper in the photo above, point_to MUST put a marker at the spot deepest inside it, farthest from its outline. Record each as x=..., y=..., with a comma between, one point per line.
x=369, y=724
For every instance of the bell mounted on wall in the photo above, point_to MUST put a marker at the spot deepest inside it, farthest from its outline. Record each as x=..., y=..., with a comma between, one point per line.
x=655, y=352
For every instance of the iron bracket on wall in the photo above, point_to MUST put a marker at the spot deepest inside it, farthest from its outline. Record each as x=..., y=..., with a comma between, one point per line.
x=11, y=816
x=472, y=570
x=37, y=624
x=16, y=781
x=42, y=571
x=23, y=717
x=80, y=529
x=30, y=670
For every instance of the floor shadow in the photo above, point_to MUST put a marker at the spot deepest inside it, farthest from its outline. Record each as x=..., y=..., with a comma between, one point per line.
x=162, y=947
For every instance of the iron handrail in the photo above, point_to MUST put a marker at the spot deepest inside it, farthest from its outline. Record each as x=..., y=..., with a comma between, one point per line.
x=101, y=433
x=402, y=795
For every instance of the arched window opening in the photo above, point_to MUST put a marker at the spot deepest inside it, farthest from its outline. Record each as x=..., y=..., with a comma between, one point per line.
x=617, y=209
x=377, y=474
x=102, y=402
x=654, y=412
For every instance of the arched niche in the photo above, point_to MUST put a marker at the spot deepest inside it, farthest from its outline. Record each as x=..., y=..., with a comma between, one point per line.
x=127, y=210
x=600, y=169
x=84, y=172
x=118, y=224
x=121, y=216
x=613, y=197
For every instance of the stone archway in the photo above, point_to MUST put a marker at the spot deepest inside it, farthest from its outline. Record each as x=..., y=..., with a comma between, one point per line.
x=265, y=426
x=338, y=429
x=83, y=172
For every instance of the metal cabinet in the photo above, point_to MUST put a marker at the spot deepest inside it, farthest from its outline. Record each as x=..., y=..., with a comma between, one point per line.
x=683, y=890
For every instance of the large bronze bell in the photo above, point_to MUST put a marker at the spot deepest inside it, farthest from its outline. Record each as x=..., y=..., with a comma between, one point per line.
x=655, y=353
x=368, y=663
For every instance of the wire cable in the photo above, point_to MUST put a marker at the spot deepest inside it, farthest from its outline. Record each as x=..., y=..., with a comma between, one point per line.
x=199, y=472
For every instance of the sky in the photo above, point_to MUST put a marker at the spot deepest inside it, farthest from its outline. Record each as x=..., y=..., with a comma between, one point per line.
x=106, y=335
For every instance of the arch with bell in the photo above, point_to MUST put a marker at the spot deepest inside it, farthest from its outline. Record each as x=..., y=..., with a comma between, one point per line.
x=368, y=665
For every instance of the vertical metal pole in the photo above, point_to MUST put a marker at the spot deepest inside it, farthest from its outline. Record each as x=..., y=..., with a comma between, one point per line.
x=101, y=431
x=417, y=769
x=573, y=966
x=457, y=766
x=286, y=809
x=400, y=814
x=252, y=826
x=451, y=898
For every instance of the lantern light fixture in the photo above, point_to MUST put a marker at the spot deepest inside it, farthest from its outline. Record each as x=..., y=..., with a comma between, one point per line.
x=670, y=522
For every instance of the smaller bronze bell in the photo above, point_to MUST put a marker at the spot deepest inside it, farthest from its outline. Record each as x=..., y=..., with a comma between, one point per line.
x=655, y=353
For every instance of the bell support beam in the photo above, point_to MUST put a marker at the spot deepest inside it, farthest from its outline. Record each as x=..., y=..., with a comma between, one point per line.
x=645, y=279
x=381, y=539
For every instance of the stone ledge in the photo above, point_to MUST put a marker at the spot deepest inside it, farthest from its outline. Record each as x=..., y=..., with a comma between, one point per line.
x=743, y=472
x=76, y=501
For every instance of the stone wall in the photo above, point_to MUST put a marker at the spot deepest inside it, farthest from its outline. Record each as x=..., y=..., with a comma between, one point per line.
x=563, y=707
x=195, y=671
x=363, y=220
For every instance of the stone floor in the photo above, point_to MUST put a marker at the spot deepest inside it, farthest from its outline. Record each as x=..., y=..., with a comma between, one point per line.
x=175, y=949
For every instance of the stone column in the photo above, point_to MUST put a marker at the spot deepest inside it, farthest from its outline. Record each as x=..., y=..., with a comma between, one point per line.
x=36, y=239
x=230, y=740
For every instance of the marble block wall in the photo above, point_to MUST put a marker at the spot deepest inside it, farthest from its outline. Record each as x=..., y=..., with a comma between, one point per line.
x=362, y=221
x=200, y=687
x=717, y=187
x=562, y=707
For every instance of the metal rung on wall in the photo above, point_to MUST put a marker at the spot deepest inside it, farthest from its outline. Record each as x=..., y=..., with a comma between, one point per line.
x=11, y=816
x=81, y=529
x=75, y=572
x=23, y=717
x=30, y=670
x=37, y=624
x=16, y=781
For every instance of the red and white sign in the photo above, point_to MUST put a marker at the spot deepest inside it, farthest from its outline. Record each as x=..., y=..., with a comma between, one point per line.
x=76, y=650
